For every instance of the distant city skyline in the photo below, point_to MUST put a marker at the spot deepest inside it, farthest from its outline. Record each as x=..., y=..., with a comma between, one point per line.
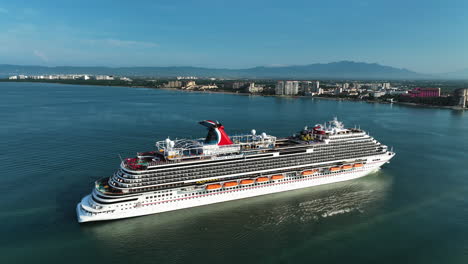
x=422, y=36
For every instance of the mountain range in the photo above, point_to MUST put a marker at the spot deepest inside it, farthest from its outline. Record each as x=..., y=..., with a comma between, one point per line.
x=333, y=70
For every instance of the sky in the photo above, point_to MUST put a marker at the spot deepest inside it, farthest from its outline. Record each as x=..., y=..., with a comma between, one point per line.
x=427, y=36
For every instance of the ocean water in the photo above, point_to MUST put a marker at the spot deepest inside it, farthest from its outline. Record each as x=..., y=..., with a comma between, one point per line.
x=55, y=140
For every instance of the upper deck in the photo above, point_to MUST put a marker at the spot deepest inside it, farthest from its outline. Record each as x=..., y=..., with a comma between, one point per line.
x=218, y=145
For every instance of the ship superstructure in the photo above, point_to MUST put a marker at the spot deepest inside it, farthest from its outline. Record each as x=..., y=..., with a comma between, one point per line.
x=186, y=173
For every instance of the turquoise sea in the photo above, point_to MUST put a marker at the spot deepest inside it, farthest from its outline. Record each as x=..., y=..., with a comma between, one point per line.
x=55, y=140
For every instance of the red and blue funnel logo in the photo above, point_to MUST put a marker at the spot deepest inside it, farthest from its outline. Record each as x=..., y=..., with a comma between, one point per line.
x=216, y=133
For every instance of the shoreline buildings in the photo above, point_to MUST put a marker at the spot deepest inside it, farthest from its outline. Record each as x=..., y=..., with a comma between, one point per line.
x=288, y=87
x=424, y=92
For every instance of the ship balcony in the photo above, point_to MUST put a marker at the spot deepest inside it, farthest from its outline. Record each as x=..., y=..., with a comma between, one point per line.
x=102, y=186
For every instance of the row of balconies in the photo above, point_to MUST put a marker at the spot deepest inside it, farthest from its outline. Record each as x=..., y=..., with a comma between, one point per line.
x=246, y=166
x=170, y=172
x=214, y=173
x=153, y=187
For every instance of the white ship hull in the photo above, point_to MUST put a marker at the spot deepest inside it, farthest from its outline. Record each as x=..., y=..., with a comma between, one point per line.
x=144, y=206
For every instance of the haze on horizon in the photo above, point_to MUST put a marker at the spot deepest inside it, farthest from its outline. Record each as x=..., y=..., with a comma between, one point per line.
x=424, y=36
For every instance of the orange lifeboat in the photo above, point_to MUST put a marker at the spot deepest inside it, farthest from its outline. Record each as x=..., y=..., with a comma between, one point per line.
x=332, y=169
x=358, y=165
x=277, y=177
x=230, y=184
x=213, y=186
x=308, y=172
x=246, y=181
x=347, y=167
x=262, y=179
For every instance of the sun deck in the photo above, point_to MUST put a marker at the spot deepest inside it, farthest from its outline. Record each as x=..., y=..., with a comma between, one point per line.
x=218, y=145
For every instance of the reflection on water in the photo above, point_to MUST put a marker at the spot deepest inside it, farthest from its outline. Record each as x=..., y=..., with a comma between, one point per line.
x=458, y=113
x=310, y=206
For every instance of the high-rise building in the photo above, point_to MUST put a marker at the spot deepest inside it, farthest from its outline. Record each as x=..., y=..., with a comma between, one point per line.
x=345, y=86
x=462, y=95
x=279, y=88
x=424, y=92
x=311, y=88
x=287, y=88
x=291, y=88
x=317, y=87
x=305, y=88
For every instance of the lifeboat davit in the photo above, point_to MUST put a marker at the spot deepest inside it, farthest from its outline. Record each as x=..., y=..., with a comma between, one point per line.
x=262, y=179
x=358, y=165
x=308, y=172
x=246, y=181
x=277, y=177
x=213, y=186
x=230, y=184
x=347, y=167
x=332, y=169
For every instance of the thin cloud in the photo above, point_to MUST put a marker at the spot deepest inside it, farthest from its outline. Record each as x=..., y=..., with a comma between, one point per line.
x=122, y=43
x=41, y=55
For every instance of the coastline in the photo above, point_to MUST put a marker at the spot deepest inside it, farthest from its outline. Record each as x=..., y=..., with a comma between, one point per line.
x=386, y=102
x=247, y=94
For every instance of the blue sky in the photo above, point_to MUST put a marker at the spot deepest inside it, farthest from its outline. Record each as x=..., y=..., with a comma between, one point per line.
x=426, y=36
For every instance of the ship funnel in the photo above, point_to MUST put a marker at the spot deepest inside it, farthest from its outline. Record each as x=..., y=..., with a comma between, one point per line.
x=216, y=133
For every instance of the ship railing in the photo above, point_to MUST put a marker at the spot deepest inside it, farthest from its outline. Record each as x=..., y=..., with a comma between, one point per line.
x=251, y=138
x=236, y=139
x=195, y=148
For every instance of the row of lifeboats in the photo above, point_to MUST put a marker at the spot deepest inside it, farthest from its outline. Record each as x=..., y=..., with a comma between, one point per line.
x=230, y=184
x=333, y=169
x=346, y=167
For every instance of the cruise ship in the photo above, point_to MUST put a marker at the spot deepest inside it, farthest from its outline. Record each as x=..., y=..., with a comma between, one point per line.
x=186, y=173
